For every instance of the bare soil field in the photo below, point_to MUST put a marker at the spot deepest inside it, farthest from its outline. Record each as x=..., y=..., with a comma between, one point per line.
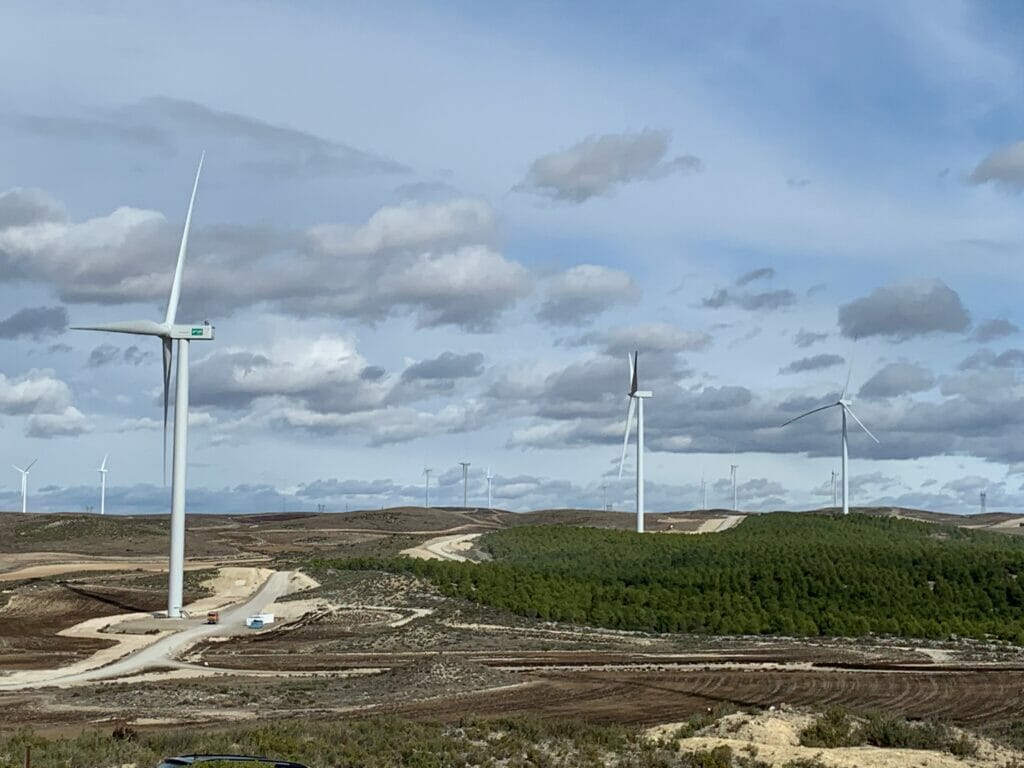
x=365, y=642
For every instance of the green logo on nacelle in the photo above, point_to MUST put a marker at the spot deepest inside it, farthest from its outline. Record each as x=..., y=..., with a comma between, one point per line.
x=197, y=331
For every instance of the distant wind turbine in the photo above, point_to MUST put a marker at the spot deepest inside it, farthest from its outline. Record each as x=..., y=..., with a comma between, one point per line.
x=835, y=499
x=704, y=492
x=732, y=471
x=103, y=484
x=168, y=332
x=490, y=477
x=24, y=484
x=426, y=487
x=465, y=484
x=636, y=401
x=843, y=404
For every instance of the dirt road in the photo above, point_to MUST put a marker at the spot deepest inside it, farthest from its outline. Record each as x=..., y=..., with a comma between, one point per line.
x=164, y=651
x=444, y=547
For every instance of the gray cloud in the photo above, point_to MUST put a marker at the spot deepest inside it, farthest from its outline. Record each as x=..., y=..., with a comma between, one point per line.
x=804, y=338
x=578, y=294
x=986, y=358
x=34, y=323
x=69, y=423
x=21, y=207
x=434, y=261
x=104, y=354
x=749, y=301
x=647, y=337
x=599, y=164
x=993, y=329
x=135, y=356
x=156, y=123
x=1004, y=166
x=763, y=273
x=813, y=363
x=903, y=311
x=447, y=365
x=898, y=379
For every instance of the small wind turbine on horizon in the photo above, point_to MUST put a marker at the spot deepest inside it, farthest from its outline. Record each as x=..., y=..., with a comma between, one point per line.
x=636, y=402
x=732, y=472
x=465, y=483
x=835, y=498
x=843, y=404
x=490, y=477
x=704, y=492
x=426, y=487
x=168, y=332
x=24, y=484
x=103, y=484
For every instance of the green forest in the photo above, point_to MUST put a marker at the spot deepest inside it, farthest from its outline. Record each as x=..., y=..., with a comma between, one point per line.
x=775, y=574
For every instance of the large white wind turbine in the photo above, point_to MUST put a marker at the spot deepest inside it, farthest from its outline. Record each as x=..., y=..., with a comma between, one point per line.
x=636, y=401
x=24, y=484
x=169, y=332
x=103, y=484
x=843, y=404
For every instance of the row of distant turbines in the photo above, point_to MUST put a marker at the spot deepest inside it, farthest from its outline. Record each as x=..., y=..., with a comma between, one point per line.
x=427, y=472
x=24, y=484
x=636, y=404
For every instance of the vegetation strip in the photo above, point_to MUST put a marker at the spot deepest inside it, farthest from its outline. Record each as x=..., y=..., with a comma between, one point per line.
x=780, y=574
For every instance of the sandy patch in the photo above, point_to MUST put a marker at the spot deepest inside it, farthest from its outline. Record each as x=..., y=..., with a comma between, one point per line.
x=444, y=547
x=775, y=738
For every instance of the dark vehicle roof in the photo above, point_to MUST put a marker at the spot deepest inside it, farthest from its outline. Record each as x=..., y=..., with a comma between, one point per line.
x=174, y=762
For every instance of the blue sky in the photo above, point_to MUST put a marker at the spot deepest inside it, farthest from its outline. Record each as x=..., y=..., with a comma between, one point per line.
x=429, y=234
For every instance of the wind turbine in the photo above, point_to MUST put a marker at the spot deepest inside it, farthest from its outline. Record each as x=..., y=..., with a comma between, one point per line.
x=426, y=487
x=835, y=500
x=465, y=484
x=636, y=401
x=732, y=471
x=168, y=332
x=704, y=492
x=24, y=484
x=843, y=404
x=490, y=477
x=103, y=484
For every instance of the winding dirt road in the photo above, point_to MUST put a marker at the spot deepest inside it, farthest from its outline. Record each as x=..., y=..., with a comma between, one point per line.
x=164, y=651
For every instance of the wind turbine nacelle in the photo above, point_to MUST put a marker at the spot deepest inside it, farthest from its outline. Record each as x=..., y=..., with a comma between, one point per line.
x=202, y=332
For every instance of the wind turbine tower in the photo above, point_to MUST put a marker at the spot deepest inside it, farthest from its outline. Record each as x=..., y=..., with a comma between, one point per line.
x=169, y=332
x=636, y=401
x=465, y=484
x=103, y=485
x=984, y=498
x=834, y=498
x=490, y=477
x=704, y=493
x=426, y=487
x=24, y=484
x=732, y=471
x=843, y=404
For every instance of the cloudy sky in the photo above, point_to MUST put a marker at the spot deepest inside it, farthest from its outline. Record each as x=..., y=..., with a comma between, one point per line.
x=428, y=236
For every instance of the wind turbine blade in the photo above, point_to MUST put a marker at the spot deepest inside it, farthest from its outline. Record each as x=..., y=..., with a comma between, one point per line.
x=861, y=423
x=172, y=302
x=18, y=468
x=103, y=466
x=625, y=440
x=168, y=351
x=846, y=386
x=816, y=410
x=633, y=386
x=137, y=327
x=31, y=465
